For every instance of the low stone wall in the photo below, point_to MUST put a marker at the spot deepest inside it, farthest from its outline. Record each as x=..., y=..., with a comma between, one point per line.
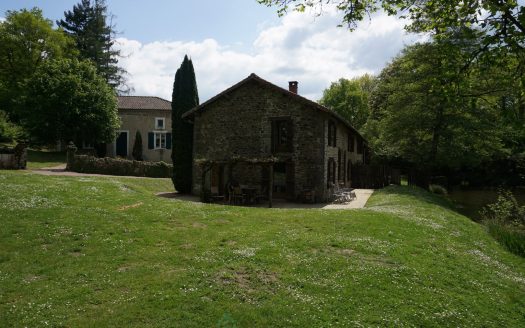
x=116, y=166
x=14, y=158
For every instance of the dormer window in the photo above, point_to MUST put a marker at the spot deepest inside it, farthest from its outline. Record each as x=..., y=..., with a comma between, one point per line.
x=160, y=123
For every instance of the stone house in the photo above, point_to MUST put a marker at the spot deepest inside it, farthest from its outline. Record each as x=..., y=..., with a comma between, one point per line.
x=256, y=132
x=152, y=117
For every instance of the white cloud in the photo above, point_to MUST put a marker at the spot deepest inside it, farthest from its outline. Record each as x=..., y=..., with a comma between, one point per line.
x=310, y=50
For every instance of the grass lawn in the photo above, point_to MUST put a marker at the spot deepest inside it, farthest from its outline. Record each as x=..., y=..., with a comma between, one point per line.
x=79, y=251
x=37, y=159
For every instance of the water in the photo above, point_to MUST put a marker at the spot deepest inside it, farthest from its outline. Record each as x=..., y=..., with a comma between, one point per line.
x=470, y=201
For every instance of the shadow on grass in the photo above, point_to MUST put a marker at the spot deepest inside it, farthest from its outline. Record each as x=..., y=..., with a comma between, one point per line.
x=39, y=158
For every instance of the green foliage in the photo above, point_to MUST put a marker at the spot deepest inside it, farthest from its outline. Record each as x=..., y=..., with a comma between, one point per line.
x=437, y=189
x=137, y=147
x=505, y=210
x=68, y=100
x=426, y=110
x=185, y=97
x=94, y=37
x=27, y=40
x=505, y=221
x=9, y=131
x=501, y=21
x=349, y=98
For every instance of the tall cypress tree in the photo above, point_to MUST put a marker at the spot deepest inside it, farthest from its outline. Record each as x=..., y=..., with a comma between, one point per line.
x=185, y=96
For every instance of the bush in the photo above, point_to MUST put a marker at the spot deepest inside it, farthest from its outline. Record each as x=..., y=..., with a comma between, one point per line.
x=437, y=189
x=505, y=221
x=137, y=147
x=512, y=238
x=8, y=131
x=116, y=166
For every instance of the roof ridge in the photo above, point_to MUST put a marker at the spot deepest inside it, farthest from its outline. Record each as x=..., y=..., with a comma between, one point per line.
x=254, y=76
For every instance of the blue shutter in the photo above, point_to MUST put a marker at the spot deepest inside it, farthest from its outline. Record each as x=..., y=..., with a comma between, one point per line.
x=168, y=140
x=151, y=140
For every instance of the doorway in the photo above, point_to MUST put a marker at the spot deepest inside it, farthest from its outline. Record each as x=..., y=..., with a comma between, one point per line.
x=121, y=144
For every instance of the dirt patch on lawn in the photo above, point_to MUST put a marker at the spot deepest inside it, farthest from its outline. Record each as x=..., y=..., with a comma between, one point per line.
x=122, y=208
x=249, y=281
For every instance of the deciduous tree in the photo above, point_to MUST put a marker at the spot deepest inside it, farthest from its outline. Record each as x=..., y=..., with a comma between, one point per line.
x=68, y=101
x=349, y=98
x=27, y=40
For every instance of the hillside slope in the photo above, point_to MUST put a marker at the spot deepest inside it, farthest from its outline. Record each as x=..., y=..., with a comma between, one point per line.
x=107, y=252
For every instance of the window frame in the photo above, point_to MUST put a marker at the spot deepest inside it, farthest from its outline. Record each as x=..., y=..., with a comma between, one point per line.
x=163, y=119
x=351, y=142
x=155, y=133
x=276, y=124
x=332, y=133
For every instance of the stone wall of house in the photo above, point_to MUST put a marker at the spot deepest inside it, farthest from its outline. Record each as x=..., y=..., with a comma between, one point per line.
x=344, y=178
x=133, y=120
x=239, y=124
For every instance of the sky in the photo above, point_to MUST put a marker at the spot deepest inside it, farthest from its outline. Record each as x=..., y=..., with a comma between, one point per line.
x=230, y=39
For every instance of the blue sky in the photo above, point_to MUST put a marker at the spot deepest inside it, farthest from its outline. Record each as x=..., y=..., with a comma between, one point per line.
x=230, y=39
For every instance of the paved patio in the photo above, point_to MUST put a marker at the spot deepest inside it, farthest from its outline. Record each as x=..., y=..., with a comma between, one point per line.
x=362, y=196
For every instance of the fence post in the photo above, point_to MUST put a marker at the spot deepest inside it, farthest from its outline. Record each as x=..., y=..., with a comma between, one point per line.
x=71, y=150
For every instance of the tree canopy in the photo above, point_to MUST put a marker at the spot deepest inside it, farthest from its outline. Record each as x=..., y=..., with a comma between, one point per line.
x=349, y=98
x=502, y=21
x=185, y=96
x=67, y=100
x=94, y=36
x=27, y=40
x=427, y=111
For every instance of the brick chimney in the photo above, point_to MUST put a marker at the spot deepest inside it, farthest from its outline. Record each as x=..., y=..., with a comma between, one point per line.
x=292, y=86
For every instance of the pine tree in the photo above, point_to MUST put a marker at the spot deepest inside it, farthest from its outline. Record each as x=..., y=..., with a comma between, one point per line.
x=87, y=24
x=185, y=97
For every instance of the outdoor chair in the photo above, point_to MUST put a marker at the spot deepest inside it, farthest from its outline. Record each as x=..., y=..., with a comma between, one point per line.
x=343, y=195
x=236, y=196
x=215, y=197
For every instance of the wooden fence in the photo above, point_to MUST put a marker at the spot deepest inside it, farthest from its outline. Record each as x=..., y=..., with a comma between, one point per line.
x=374, y=176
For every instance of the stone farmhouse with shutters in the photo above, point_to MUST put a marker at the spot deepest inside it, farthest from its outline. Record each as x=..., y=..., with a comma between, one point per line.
x=256, y=133
x=152, y=117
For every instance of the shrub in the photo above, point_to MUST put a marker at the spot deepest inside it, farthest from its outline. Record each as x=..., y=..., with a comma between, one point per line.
x=137, y=147
x=117, y=166
x=437, y=189
x=505, y=221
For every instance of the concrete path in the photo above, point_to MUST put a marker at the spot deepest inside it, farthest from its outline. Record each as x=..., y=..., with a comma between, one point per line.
x=362, y=196
x=61, y=170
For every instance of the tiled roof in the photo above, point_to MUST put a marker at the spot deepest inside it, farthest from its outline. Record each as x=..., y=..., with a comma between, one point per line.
x=143, y=103
x=272, y=86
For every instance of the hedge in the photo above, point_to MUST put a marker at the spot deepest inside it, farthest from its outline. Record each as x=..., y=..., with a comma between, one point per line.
x=117, y=166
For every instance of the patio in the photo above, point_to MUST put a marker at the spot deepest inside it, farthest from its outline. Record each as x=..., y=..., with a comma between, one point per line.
x=362, y=196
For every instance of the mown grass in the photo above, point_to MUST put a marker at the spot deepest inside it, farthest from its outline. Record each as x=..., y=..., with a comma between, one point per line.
x=37, y=159
x=79, y=251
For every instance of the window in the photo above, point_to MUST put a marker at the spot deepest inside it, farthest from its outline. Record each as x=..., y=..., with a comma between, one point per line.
x=339, y=165
x=360, y=146
x=330, y=176
x=159, y=123
x=351, y=142
x=332, y=134
x=282, y=135
x=349, y=171
x=159, y=140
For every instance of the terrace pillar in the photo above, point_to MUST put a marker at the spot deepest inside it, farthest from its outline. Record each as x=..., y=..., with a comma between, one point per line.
x=270, y=187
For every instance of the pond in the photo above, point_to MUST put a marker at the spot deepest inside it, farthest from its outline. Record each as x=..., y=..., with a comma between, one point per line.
x=470, y=201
